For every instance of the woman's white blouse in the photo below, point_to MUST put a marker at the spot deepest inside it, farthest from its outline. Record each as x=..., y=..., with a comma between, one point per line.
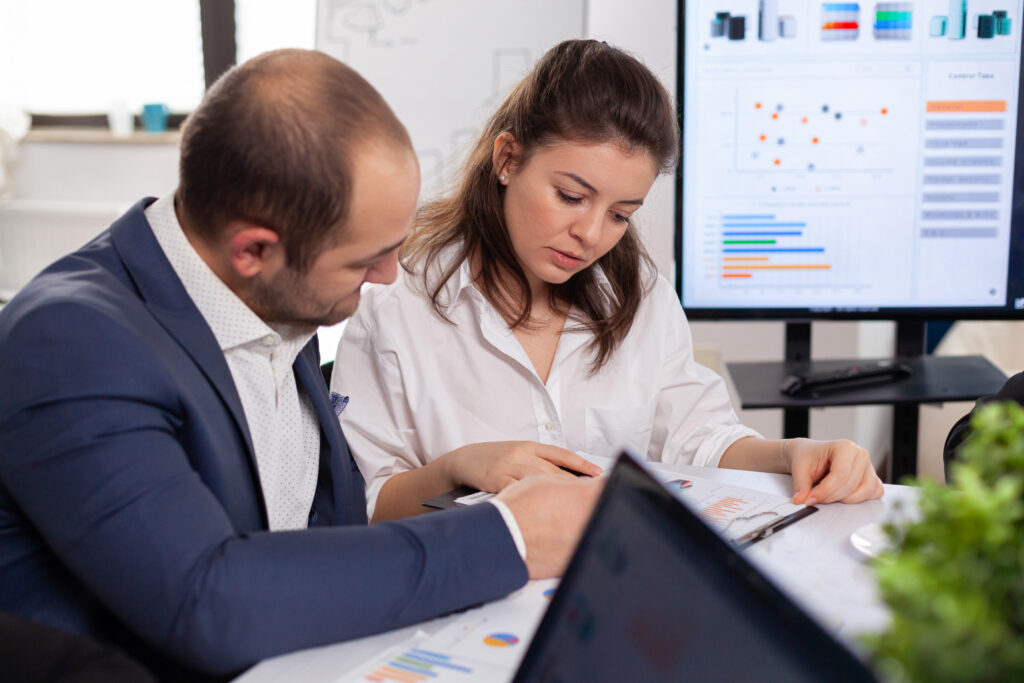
x=420, y=387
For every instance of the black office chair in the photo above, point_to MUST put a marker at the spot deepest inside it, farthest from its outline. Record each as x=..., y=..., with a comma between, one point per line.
x=1012, y=390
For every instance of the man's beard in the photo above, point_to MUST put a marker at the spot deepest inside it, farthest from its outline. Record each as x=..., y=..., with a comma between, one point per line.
x=288, y=299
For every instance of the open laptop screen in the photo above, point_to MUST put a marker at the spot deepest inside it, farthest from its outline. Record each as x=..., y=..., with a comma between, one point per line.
x=653, y=594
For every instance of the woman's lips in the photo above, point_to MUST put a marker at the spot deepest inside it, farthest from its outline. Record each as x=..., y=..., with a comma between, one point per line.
x=565, y=260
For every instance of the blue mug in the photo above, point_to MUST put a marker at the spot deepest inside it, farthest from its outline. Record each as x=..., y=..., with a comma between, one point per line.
x=154, y=117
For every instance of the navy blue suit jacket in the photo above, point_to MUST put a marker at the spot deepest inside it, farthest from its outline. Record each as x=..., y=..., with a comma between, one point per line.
x=130, y=506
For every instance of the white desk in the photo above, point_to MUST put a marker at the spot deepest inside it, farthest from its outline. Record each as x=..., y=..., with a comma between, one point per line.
x=812, y=560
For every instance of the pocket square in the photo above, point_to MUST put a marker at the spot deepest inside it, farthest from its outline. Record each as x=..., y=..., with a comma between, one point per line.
x=338, y=402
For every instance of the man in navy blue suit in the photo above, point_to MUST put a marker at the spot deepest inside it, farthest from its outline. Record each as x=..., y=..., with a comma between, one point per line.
x=173, y=477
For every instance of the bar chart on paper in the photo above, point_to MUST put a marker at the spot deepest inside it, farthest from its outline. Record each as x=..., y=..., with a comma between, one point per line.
x=730, y=510
x=414, y=664
x=482, y=644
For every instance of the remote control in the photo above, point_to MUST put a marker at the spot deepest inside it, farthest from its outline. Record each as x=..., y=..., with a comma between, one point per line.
x=882, y=371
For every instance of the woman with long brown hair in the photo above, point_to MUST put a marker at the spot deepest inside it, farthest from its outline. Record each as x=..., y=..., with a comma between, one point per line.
x=529, y=324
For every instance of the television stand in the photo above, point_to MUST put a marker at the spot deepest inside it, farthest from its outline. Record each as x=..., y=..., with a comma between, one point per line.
x=935, y=379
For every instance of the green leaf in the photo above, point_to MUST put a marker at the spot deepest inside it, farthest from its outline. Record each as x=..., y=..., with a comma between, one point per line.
x=955, y=579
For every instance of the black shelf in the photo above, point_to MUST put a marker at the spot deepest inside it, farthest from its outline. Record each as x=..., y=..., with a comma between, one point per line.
x=936, y=379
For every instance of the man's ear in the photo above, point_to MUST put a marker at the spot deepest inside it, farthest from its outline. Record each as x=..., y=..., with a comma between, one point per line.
x=254, y=249
x=504, y=157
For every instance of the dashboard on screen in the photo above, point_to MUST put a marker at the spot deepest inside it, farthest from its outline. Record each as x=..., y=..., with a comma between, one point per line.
x=850, y=159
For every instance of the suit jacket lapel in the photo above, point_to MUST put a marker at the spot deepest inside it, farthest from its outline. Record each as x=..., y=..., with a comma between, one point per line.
x=170, y=304
x=335, y=472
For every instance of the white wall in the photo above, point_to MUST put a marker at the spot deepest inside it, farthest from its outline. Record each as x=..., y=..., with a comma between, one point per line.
x=648, y=30
x=94, y=172
x=65, y=193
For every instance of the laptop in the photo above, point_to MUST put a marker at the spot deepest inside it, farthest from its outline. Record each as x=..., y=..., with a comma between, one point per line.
x=653, y=594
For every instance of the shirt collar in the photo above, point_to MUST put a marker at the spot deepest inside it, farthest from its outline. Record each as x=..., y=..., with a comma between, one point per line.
x=462, y=279
x=232, y=322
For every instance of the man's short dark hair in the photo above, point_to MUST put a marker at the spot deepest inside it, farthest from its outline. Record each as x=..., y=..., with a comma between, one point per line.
x=272, y=143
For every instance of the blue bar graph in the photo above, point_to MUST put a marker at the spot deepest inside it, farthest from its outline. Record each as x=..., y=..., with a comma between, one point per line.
x=414, y=666
x=436, y=659
x=734, y=233
x=758, y=246
x=800, y=224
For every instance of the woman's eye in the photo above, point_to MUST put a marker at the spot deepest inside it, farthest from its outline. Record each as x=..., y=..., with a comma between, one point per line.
x=569, y=199
x=619, y=218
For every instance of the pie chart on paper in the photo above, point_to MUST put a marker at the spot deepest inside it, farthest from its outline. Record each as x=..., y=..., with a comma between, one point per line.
x=501, y=640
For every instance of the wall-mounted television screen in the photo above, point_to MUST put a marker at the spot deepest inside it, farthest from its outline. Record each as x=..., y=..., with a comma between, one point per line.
x=850, y=159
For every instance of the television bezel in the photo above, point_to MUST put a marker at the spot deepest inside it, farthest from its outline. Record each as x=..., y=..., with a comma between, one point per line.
x=1015, y=277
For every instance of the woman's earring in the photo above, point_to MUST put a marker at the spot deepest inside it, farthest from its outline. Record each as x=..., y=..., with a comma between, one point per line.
x=501, y=178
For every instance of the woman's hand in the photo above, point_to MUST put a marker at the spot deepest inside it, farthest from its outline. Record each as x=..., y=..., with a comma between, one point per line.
x=494, y=465
x=830, y=471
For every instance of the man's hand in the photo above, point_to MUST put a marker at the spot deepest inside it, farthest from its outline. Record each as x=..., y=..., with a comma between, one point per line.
x=831, y=471
x=493, y=466
x=551, y=512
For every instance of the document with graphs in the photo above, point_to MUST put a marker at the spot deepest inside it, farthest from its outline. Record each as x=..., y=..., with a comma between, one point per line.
x=741, y=515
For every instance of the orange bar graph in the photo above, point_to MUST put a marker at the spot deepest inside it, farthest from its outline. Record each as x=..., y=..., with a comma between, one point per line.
x=735, y=274
x=399, y=675
x=744, y=258
x=966, y=106
x=720, y=510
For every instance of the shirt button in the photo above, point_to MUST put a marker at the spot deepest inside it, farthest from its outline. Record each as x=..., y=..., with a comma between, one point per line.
x=550, y=426
x=267, y=341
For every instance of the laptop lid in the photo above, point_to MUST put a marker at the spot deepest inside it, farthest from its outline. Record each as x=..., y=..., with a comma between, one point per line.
x=653, y=594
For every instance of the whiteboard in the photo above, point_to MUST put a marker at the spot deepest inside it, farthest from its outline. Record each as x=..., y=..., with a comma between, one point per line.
x=444, y=65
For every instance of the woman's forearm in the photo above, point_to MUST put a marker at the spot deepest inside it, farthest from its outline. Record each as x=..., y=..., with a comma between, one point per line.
x=402, y=493
x=761, y=455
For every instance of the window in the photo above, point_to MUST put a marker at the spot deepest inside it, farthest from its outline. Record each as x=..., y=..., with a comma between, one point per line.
x=69, y=56
x=263, y=25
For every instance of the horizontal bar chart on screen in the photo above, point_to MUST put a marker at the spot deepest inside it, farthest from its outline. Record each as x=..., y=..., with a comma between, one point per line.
x=780, y=267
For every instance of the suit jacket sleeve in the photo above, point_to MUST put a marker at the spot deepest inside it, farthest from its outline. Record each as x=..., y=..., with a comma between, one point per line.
x=90, y=449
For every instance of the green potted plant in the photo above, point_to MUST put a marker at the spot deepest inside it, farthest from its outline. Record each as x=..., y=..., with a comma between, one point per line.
x=954, y=580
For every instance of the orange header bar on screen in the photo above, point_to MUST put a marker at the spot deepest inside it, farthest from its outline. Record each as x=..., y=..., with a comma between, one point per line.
x=966, y=106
